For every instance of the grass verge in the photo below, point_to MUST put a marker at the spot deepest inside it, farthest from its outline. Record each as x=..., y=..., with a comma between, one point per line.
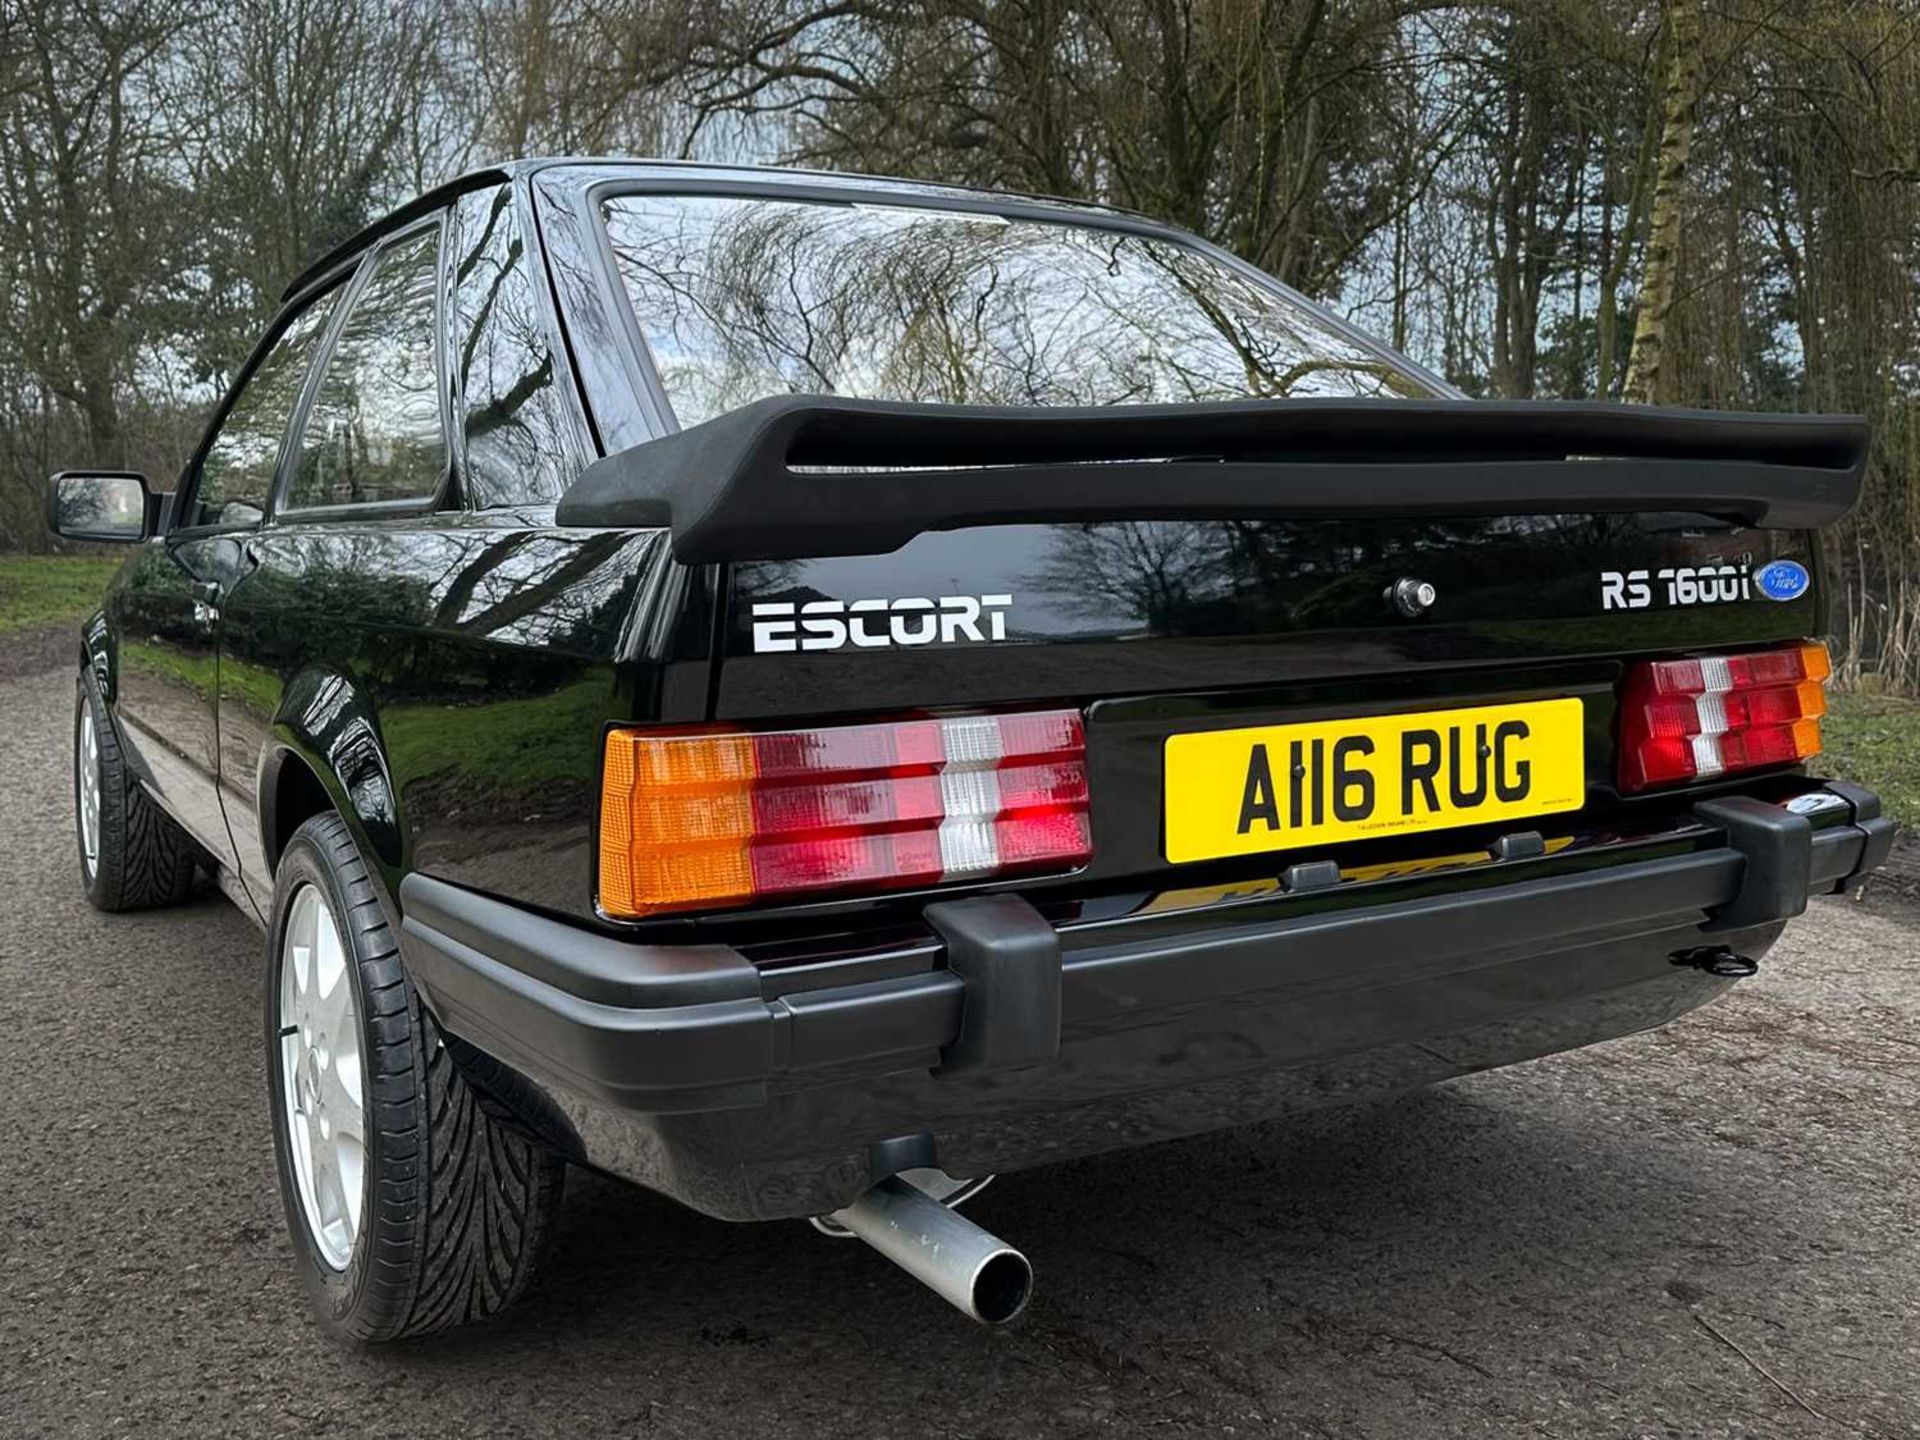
x=1874, y=740
x=38, y=590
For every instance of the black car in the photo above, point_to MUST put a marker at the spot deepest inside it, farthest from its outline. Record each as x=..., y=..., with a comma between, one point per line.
x=805, y=692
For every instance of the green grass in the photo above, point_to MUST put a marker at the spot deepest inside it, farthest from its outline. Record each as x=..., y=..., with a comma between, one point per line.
x=1874, y=740
x=40, y=590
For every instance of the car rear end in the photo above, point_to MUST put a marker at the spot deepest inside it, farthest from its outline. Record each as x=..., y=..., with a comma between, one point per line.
x=1022, y=841
x=1071, y=781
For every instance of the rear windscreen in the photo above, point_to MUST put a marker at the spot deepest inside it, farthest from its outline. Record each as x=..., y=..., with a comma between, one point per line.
x=740, y=298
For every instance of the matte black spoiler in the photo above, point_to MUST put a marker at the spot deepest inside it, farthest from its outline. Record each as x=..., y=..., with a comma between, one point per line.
x=797, y=476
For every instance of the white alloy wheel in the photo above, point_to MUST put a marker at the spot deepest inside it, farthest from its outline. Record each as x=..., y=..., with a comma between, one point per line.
x=322, y=1079
x=86, y=763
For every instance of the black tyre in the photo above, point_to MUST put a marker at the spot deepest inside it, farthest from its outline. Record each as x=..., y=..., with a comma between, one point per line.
x=132, y=855
x=434, y=1213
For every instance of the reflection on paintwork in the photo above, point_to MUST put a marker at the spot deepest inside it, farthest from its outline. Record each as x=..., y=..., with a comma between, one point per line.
x=1171, y=578
x=1201, y=896
x=166, y=676
x=495, y=580
x=478, y=654
x=620, y=412
x=355, y=756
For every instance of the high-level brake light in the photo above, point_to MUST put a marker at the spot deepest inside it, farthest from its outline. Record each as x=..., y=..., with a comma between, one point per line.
x=709, y=818
x=1717, y=714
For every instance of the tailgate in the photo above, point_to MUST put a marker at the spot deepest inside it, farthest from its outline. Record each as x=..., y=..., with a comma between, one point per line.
x=1043, y=612
x=881, y=555
x=1186, y=570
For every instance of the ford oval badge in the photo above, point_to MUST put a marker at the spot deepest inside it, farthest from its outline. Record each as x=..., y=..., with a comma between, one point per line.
x=1783, y=580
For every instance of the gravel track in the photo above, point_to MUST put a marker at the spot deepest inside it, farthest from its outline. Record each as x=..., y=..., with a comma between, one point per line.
x=1581, y=1246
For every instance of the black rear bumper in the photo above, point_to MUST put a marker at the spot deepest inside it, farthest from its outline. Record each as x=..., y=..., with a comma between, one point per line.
x=689, y=1042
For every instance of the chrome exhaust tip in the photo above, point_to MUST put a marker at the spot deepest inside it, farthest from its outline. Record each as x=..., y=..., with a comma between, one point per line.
x=973, y=1270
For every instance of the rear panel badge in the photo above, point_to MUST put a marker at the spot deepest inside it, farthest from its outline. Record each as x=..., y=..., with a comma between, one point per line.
x=1782, y=580
x=1683, y=585
x=782, y=625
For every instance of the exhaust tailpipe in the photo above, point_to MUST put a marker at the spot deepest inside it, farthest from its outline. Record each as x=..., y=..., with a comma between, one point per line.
x=972, y=1270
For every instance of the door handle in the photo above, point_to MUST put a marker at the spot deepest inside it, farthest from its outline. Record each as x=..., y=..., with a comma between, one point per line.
x=207, y=592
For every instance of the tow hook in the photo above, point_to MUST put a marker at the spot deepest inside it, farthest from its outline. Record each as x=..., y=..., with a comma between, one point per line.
x=1717, y=960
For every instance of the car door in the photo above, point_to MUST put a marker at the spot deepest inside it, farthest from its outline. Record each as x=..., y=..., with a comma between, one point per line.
x=332, y=564
x=166, y=620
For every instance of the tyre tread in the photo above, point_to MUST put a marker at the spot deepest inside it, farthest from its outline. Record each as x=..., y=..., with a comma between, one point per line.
x=463, y=1204
x=146, y=861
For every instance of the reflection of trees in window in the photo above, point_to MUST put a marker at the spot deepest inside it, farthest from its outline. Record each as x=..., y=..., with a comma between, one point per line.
x=1228, y=576
x=99, y=505
x=517, y=439
x=239, y=464
x=739, y=299
x=374, y=432
x=1152, y=572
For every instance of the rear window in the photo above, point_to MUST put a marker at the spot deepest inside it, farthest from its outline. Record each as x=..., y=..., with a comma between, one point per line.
x=741, y=298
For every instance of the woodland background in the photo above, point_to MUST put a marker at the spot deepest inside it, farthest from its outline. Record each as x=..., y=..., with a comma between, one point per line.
x=1699, y=202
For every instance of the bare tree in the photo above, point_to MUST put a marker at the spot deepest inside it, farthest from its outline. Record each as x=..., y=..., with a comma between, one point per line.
x=1686, y=63
x=85, y=238
x=293, y=120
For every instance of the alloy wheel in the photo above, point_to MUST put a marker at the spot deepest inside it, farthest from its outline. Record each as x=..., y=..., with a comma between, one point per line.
x=86, y=762
x=322, y=1077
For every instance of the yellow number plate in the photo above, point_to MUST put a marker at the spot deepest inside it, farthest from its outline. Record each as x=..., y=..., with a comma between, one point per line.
x=1278, y=787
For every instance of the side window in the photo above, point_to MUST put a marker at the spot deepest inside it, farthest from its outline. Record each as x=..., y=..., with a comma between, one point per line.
x=517, y=429
x=373, y=431
x=237, y=471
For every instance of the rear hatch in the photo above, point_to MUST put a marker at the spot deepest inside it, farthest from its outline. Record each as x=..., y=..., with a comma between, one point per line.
x=1231, y=567
x=1166, y=628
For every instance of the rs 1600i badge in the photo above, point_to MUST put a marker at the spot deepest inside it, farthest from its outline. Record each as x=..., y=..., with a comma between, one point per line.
x=1680, y=585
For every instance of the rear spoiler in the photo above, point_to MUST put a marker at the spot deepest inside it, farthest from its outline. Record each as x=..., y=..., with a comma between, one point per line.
x=796, y=476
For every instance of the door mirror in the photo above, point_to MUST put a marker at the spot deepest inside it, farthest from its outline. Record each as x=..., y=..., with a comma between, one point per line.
x=105, y=506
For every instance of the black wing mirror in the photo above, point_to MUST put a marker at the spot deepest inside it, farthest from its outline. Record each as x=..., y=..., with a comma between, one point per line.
x=104, y=506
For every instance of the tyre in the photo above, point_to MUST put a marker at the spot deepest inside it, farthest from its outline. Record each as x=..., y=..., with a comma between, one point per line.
x=132, y=855
x=411, y=1208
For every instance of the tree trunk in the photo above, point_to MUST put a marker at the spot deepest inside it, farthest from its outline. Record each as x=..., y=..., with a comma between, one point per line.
x=1686, y=25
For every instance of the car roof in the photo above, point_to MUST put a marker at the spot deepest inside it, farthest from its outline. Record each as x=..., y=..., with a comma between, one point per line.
x=747, y=177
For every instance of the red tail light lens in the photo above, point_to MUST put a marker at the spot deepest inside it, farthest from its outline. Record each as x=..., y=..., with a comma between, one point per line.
x=1716, y=714
x=709, y=818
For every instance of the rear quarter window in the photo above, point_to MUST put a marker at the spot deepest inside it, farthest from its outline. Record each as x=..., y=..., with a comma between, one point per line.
x=516, y=428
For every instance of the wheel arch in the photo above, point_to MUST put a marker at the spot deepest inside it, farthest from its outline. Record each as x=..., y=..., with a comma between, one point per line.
x=293, y=795
x=326, y=753
x=97, y=655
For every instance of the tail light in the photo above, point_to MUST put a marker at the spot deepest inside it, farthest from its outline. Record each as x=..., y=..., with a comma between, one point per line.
x=704, y=818
x=1718, y=714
